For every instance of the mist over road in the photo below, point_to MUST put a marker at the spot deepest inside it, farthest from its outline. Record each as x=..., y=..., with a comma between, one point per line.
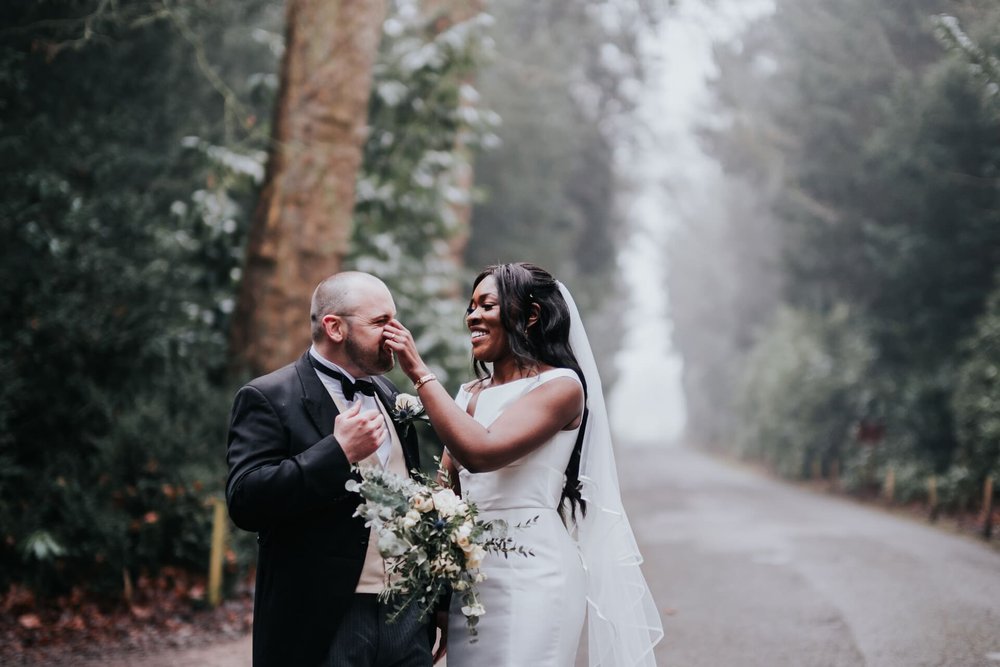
x=749, y=571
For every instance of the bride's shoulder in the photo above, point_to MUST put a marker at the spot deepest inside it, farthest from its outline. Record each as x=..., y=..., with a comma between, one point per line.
x=553, y=372
x=561, y=383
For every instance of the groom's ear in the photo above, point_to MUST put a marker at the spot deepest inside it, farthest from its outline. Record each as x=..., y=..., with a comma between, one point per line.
x=536, y=312
x=333, y=326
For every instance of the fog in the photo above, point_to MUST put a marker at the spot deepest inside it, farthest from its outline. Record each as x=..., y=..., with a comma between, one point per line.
x=673, y=182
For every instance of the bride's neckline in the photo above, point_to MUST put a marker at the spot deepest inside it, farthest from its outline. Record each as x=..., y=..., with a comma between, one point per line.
x=522, y=379
x=509, y=382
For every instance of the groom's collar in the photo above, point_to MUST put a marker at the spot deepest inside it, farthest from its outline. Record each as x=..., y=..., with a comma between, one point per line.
x=320, y=359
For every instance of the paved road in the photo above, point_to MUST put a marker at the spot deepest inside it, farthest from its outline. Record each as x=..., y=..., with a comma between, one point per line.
x=753, y=572
x=750, y=572
x=237, y=653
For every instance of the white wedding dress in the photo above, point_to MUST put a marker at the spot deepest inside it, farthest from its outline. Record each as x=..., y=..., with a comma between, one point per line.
x=535, y=606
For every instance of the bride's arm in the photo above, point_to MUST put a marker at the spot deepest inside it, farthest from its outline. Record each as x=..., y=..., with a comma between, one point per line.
x=530, y=421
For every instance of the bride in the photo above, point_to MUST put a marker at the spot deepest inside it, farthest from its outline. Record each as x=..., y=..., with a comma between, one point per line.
x=529, y=438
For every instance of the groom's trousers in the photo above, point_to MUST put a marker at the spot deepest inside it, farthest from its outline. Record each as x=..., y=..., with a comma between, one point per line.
x=366, y=638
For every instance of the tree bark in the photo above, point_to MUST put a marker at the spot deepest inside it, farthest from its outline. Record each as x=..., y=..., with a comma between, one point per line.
x=303, y=221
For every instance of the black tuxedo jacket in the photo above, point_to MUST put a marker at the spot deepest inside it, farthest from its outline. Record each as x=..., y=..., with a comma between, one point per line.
x=286, y=482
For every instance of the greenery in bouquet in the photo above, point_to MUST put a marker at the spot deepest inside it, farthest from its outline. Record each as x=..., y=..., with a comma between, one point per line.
x=432, y=540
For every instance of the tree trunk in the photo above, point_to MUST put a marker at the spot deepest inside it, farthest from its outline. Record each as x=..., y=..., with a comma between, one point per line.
x=303, y=221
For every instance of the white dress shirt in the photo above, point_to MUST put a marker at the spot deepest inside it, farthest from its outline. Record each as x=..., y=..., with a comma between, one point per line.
x=337, y=394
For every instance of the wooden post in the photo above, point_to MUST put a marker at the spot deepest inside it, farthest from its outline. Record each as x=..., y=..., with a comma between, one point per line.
x=220, y=527
x=889, y=488
x=932, y=496
x=988, y=508
x=835, y=474
x=127, y=589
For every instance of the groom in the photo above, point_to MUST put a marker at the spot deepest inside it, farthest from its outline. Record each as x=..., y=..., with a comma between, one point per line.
x=292, y=439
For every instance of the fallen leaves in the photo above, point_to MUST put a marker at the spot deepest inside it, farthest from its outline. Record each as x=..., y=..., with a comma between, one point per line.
x=29, y=621
x=164, y=610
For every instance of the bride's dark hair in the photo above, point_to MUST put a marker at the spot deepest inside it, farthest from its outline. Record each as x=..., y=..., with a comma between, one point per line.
x=546, y=341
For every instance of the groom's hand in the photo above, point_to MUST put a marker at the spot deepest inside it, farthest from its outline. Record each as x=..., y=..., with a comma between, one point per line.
x=441, y=621
x=359, y=432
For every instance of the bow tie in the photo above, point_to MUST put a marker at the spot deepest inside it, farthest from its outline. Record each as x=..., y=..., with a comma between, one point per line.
x=349, y=388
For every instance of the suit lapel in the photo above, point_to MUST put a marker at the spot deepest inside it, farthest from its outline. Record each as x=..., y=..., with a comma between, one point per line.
x=387, y=393
x=315, y=398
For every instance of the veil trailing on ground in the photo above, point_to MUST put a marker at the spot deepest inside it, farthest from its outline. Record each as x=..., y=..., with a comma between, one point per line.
x=623, y=624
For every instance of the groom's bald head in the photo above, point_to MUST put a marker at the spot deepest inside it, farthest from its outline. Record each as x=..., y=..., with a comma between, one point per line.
x=341, y=294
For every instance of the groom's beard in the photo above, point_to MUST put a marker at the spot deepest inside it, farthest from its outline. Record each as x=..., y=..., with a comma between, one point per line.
x=371, y=362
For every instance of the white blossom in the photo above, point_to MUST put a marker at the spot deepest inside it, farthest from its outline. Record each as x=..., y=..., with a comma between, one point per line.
x=473, y=610
x=446, y=502
x=407, y=402
x=410, y=519
x=474, y=556
x=422, y=502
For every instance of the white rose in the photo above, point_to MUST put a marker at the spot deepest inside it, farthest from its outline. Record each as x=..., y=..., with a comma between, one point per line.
x=473, y=610
x=422, y=503
x=461, y=536
x=410, y=519
x=368, y=513
x=446, y=502
x=474, y=556
x=389, y=545
x=407, y=403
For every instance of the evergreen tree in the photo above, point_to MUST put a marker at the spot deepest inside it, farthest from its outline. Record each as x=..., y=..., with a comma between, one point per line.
x=880, y=167
x=117, y=246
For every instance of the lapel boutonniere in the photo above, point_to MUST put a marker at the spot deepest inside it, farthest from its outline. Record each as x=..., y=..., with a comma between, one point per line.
x=406, y=410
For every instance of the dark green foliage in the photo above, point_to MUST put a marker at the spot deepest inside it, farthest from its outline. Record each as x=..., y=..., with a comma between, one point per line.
x=115, y=268
x=879, y=134
x=806, y=383
x=933, y=237
x=132, y=146
x=976, y=400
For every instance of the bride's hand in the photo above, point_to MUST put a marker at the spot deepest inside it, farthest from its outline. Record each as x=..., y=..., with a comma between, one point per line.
x=399, y=339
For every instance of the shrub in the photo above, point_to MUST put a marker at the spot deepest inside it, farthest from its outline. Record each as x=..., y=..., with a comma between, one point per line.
x=806, y=385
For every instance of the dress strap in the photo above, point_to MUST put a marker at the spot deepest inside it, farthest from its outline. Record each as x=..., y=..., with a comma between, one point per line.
x=558, y=373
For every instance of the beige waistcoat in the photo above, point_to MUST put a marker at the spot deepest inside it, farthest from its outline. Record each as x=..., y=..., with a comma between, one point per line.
x=373, y=575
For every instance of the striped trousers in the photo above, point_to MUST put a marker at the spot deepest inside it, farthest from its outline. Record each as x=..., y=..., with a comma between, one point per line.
x=365, y=637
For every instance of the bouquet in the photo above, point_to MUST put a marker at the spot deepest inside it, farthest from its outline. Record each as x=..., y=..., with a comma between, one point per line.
x=431, y=539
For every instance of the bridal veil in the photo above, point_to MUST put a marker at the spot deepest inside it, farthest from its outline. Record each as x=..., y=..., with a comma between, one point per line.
x=623, y=624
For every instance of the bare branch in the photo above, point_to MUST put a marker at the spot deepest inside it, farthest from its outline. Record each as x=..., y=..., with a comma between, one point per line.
x=233, y=107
